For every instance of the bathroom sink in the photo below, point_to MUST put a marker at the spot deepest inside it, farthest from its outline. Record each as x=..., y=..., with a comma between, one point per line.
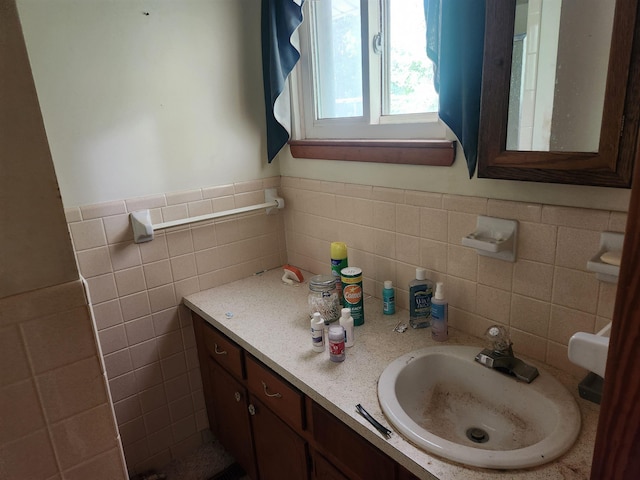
x=444, y=402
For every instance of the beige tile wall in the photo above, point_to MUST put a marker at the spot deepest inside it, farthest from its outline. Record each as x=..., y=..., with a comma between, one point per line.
x=136, y=289
x=544, y=297
x=56, y=420
x=146, y=336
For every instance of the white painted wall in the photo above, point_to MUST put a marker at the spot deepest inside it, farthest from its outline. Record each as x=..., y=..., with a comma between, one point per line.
x=139, y=104
x=136, y=104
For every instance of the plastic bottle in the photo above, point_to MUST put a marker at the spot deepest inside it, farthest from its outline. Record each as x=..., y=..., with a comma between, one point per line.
x=338, y=262
x=439, y=315
x=317, y=332
x=388, y=298
x=336, y=343
x=346, y=320
x=420, y=292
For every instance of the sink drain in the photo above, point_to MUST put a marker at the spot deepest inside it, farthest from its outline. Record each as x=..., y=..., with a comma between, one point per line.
x=477, y=435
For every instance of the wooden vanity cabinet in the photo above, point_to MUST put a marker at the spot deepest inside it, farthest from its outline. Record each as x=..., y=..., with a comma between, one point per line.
x=272, y=429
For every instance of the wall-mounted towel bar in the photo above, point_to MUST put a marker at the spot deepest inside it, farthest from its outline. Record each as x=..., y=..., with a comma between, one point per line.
x=143, y=228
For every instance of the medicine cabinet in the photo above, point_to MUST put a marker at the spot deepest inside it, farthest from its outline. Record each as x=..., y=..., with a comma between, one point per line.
x=561, y=91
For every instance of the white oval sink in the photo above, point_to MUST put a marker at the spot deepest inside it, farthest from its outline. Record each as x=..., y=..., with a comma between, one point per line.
x=443, y=401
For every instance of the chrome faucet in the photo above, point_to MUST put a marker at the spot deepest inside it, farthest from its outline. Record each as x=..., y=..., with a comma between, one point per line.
x=500, y=356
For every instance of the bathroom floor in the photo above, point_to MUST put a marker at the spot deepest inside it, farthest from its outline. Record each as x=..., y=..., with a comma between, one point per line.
x=209, y=462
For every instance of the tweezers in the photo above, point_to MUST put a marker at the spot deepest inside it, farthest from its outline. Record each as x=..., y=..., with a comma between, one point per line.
x=386, y=433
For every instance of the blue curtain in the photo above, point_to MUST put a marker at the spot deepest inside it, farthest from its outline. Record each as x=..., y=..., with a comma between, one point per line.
x=455, y=44
x=280, y=18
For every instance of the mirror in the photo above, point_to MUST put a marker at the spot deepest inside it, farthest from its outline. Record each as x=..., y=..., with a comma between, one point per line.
x=558, y=74
x=560, y=91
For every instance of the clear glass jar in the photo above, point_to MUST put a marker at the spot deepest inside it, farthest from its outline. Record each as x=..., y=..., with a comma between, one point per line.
x=323, y=297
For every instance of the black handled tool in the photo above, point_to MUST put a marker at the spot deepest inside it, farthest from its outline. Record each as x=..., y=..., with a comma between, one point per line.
x=386, y=433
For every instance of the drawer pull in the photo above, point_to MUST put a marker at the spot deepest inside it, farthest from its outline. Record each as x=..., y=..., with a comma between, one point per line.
x=237, y=396
x=219, y=352
x=252, y=409
x=266, y=392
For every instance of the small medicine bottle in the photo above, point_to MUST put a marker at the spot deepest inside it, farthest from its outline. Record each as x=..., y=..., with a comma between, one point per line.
x=388, y=298
x=317, y=332
x=336, y=343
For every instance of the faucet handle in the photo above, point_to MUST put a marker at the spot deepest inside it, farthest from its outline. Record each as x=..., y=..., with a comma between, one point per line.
x=499, y=338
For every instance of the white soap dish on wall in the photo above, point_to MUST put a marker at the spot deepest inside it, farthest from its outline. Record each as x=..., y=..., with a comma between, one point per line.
x=611, y=246
x=494, y=237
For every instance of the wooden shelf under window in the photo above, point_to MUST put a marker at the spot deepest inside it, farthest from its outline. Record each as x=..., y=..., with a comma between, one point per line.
x=408, y=152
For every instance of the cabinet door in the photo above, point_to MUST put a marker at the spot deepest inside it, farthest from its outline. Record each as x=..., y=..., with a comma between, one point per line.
x=323, y=470
x=232, y=424
x=349, y=451
x=280, y=452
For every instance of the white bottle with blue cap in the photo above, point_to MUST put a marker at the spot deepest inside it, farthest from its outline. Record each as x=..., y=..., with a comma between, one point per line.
x=439, y=315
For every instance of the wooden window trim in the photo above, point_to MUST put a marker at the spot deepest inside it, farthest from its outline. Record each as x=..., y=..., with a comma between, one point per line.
x=406, y=152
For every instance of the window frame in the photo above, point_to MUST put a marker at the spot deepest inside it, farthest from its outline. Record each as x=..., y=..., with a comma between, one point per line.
x=420, y=139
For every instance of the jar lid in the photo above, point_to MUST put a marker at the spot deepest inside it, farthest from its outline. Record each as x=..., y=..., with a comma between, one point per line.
x=336, y=330
x=351, y=272
x=322, y=283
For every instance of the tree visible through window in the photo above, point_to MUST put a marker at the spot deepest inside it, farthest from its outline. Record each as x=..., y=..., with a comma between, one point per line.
x=369, y=59
x=410, y=84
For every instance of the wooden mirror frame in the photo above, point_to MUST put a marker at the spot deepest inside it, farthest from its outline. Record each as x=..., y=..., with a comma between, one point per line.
x=612, y=165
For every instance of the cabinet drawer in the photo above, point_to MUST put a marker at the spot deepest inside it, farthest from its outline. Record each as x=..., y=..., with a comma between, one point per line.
x=223, y=351
x=274, y=392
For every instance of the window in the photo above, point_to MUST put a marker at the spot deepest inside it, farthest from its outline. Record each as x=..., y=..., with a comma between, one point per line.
x=365, y=72
x=365, y=85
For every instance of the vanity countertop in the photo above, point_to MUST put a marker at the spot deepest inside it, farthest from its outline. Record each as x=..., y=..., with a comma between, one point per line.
x=270, y=320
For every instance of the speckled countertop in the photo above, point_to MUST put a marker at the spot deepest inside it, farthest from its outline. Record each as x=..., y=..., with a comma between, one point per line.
x=270, y=321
